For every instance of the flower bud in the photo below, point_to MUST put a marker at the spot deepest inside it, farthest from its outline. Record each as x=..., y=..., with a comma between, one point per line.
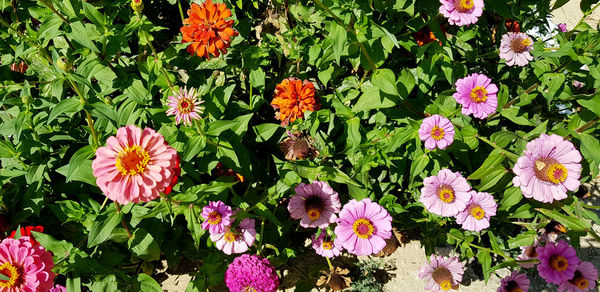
x=64, y=64
x=137, y=5
x=26, y=99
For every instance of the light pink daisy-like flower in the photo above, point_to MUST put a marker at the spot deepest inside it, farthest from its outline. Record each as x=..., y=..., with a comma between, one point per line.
x=27, y=266
x=528, y=253
x=217, y=216
x=461, y=12
x=326, y=246
x=436, y=131
x=515, y=47
x=548, y=169
x=185, y=106
x=477, y=95
x=558, y=262
x=135, y=166
x=584, y=279
x=363, y=227
x=513, y=283
x=314, y=204
x=236, y=240
x=442, y=273
x=476, y=216
x=445, y=194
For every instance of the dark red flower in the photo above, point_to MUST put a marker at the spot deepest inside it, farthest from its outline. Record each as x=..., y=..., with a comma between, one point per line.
x=26, y=231
x=175, y=177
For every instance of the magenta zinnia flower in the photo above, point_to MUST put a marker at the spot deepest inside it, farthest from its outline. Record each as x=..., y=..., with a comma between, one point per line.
x=236, y=240
x=584, y=279
x=477, y=95
x=27, y=266
x=515, y=47
x=325, y=246
x=185, y=106
x=251, y=273
x=461, y=12
x=513, y=283
x=476, y=216
x=217, y=216
x=135, y=166
x=314, y=204
x=445, y=194
x=58, y=288
x=442, y=273
x=548, y=169
x=562, y=27
x=558, y=262
x=436, y=131
x=363, y=227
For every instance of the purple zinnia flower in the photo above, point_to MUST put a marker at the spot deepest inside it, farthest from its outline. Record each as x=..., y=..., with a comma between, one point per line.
x=513, y=283
x=436, y=131
x=314, y=204
x=477, y=95
x=217, y=216
x=558, y=262
x=584, y=279
x=461, y=12
x=515, y=47
x=445, y=194
x=562, y=27
x=236, y=240
x=363, y=227
x=251, y=273
x=476, y=216
x=326, y=246
x=58, y=288
x=548, y=169
x=442, y=273
x=185, y=106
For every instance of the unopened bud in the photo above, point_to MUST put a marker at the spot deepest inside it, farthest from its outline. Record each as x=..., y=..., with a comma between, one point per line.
x=26, y=99
x=64, y=64
x=137, y=5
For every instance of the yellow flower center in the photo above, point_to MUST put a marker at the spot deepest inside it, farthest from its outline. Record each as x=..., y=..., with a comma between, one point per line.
x=446, y=194
x=437, y=133
x=446, y=285
x=477, y=212
x=580, y=281
x=185, y=105
x=520, y=44
x=479, y=94
x=230, y=236
x=363, y=228
x=327, y=245
x=13, y=275
x=132, y=160
x=559, y=263
x=214, y=218
x=249, y=289
x=548, y=169
x=313, y=214
x=443, y=277
x=463, y=6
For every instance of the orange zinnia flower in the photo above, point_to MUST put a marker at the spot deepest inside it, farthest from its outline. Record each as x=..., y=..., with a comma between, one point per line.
x=292, y=98
x=207, y=29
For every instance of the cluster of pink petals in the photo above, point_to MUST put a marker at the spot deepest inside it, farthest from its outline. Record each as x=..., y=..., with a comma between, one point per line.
x=477, y=95
x=451, y=186
x=441, y=269
x=216, y=216
x=58, y=288
x=185, y=106
x=513, y=282
x=515, y=47
x=314, y=204
x=461, y=12
x=236, y=240
x=28, y=266
x=251, y=273
x=481, y=205
x=325, y=246
x=558, y=262
x=436, y=131
x=584, y=279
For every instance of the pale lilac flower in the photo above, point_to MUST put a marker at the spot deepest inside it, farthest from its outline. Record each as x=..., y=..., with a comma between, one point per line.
x=528, y=253
x=326, y=246
x=445, y=194
x=476, y=216
x=515, y=282
x=515, y=47
x=442, y=273
x=436, y=131
x=562, y=27
x=185, y=106
x=217, y=216
x=461, y=12
x=477, y=95
x=236, y=240
x=314, y=204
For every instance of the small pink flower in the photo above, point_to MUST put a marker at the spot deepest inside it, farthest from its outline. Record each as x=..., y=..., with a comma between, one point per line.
x=217, y=216
x=514, y=282
x=27, y=266
x=442, y=273
x=477, y=95
x=436, y=131
x=515, y=47
x=236, y=240
x=445, y=194
x=185, y=106
x=58, y=288
x=461, y=12
x=558, y=262
x=476, y=216
x=528, y=253
x=562, y=27
x=584, y=279
x=314, y=204
x=326, y=246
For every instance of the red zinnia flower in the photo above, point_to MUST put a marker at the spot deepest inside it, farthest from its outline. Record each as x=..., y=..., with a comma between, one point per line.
x=292, y=98
x=177, y=171
x=26, y=231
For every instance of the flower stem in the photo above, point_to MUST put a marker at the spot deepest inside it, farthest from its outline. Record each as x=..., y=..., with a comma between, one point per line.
x=262, y=229
x=48, y=4
x=180, y=11
x=585, y=15
x=481, y=247
x=329, y=264
x=118, y=206
x=506, y=152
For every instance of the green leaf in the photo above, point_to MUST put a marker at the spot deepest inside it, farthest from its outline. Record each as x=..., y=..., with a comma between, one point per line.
x=592, y=104
x=523, y=239
x=405, y=83
x=93, y=14
x=503, y=138
x=193, y=223
x=573, y=223
x=80, y=35
x=194, y=145
x=494, y=159
x=7, y=150
x=418, y=164
x=74, y=284
x=511, y=197
x=339, y=37
x=78, y=158
x=143, y=245
x=485, y=260
x=103, y=227
x=264, y=132
x=385, y=80
x=353, y=134
x=263, y=211
x=512, y=113
x=148, y=284
x=66, y=106
x=372, y=98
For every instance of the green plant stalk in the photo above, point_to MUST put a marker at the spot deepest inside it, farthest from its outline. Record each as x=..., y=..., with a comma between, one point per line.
x=506, y=152
x=481, y=247
x=180, y=11
x=585, y=15
x=118, y=207
x=260, y=240
x=162, y=69
x=51, y=7
x=329, y=264
x=88, y=117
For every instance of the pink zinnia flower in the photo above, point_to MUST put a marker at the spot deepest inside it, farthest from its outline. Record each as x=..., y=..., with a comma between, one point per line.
x=562, y=27
x=446, y=194
x=515, y=47
x=314, y=204
x=476, y=216
x=217, y=216
x=436, y=131
x=135, y=166
x=58, y=288
x=514, y=282
x=558, y=262
x=236, y=240
x=363, y=227
x=548, y=169
x=477, y=95
x=442, y=273
x=461, y=12
x=528, y=253
x=27, y=266
x=326, y=246
x=251, y=273
x=185, y=106
x=584, y=279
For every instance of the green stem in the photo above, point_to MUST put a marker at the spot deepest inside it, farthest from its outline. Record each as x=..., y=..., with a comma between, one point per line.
x=507, y=153
x=481, y=247
x=180, y=11
x=118, y=207
x=51, y=7
x=260, y=240
x=585, y=15
x=162, y=69
x=88, y=117
x=329, y=264
x=3, y=22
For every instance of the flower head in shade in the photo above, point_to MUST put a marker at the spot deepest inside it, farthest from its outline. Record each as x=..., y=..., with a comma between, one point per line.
x=476, y=216
x=436, y=131
x=445, y=194
x=185, y=106
x=584, y=279
x=217, y=216
x=548, y=169
x=292, y=98
x=516, y=282
x=208, y=29
x=461, y=12
x=326, y=246
x=562, y=27
x=515, y=47
x=314, y=204
x=442, y=273
x=298, y=146
x=58, y=288
x=528, y=253
x=477, y=95
x=236, y=240
x=251, y=273
x=26, y=231
x=558, y=262
x=425, y=35
x=512, y=25
x=363, y=227
x=27, y=266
